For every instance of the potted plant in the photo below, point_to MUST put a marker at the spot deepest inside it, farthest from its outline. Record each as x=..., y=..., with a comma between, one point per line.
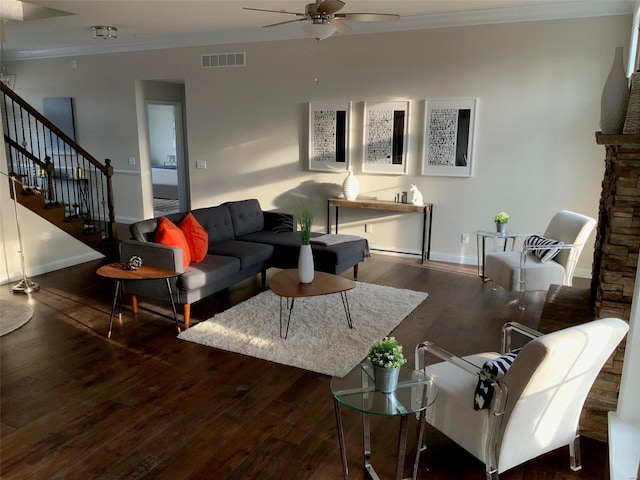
x=386, y=357
x=501, y=220
x=305, y=214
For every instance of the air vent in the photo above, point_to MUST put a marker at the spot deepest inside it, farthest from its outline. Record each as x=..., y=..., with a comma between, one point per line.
x=222, y=60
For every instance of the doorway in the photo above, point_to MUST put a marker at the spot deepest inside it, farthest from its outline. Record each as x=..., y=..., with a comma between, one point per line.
x=167, y=156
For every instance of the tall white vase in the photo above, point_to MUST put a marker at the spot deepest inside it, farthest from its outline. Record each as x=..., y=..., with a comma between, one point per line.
x=615, y=97
x=350, y=187
x=305, y=264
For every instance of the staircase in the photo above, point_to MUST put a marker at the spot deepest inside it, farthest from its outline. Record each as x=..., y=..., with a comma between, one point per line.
x=56, y=178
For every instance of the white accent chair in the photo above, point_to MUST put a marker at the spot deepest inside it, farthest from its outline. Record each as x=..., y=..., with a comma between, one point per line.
x=536, y=405
x=523, y=272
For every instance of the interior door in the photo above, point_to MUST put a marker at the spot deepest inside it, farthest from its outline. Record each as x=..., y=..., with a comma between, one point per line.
x=168, y=163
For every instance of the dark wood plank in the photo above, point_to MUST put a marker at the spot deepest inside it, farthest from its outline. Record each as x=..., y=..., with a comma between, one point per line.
x=146, y=405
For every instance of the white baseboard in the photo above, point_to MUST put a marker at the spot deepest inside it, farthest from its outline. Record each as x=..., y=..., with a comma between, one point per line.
x=52, y=266
x=452, y=258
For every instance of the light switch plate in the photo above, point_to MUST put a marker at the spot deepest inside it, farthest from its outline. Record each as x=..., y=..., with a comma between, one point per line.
x=132, y=160
x=201, y=164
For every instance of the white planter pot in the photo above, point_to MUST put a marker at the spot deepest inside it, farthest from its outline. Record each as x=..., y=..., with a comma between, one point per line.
x=305, y=264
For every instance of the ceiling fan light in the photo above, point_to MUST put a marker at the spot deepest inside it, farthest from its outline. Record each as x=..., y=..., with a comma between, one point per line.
x=104, y=32
x=319, y=31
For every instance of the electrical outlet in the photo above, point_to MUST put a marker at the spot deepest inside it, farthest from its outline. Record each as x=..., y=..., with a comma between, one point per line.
x=368, y=227
x=464, y=238
x=201, y=164
x=132, y=160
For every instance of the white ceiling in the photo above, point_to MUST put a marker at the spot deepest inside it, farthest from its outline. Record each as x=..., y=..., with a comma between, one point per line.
x=150, y=24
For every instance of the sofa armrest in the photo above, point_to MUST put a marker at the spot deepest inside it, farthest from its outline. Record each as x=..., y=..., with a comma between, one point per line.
x=280, y=221
x=153, y=254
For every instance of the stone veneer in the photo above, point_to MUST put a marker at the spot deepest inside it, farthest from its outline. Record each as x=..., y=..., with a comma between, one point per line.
x=615, y=257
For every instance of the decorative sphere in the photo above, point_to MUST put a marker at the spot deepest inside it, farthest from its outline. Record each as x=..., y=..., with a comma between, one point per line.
x=134, y=263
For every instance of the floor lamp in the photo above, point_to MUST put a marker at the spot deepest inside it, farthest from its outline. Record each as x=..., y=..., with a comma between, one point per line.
x=25, y=285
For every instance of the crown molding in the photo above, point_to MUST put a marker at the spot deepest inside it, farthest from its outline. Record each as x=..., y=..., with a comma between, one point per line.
x=565, y=9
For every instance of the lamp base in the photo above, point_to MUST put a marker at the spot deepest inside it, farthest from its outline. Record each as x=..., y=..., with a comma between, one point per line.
x=25, y=286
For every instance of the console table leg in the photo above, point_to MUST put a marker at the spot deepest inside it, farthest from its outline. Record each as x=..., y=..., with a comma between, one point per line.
x=424, y=235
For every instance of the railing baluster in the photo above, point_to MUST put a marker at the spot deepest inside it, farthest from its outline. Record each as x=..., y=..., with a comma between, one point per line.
x=46, y=158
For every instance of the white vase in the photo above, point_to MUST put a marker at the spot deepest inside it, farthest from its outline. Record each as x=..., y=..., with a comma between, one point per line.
x=350, y=187
x=615, y=97
x=305, y=264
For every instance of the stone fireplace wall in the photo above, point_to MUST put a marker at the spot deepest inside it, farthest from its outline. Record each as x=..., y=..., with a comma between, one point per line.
x=616, y=253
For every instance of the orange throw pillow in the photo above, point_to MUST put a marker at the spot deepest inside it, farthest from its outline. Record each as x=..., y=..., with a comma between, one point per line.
x=197, y=237
x=168, y=234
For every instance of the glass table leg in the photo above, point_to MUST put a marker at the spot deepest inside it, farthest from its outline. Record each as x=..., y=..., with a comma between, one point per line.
x=343, y=450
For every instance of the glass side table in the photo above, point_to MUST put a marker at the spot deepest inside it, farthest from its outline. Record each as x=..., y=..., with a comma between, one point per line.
x=354, y=388
x=501, y=241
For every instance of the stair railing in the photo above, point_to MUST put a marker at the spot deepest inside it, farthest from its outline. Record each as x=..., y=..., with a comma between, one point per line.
x=50, y=163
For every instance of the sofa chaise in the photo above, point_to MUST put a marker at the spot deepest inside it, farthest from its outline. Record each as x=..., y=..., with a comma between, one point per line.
x=243, y=240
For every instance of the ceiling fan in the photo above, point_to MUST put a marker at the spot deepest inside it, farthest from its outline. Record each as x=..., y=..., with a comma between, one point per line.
x=324, y=21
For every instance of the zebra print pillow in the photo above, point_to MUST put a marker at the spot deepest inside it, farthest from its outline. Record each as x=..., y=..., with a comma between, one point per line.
x=498, y=368
x=544, y=254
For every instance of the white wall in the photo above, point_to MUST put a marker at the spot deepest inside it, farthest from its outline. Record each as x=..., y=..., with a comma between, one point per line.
x=538, y=86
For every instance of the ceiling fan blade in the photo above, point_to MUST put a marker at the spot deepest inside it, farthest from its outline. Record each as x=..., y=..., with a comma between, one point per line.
x=329, y=6
x=369, y=17
x=341, y=27
x=283, y=23
x=274, y=11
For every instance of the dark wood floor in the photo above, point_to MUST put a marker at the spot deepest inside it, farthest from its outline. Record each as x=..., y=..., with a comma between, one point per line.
x=145, y=405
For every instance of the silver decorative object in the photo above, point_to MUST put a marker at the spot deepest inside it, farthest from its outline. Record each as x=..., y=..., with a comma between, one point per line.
x=386, y=379
x=134, y=263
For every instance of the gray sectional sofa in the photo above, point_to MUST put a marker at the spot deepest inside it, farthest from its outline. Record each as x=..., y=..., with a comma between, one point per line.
x=244, y=240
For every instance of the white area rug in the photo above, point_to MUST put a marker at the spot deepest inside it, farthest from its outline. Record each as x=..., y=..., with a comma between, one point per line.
x=13, y=315
x=319, y=338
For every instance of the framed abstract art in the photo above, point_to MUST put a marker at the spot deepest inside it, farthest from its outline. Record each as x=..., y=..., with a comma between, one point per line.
x=448, y=137
x=329, y=136
x=386, y=127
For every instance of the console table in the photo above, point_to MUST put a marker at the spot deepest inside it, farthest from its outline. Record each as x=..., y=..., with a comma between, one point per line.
x=387, y=206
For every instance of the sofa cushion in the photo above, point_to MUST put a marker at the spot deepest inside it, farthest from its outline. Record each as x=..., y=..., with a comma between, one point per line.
x=196, y=236
x=144, y=231
x=246, y=215
x=217, y=222
x=326, y=258
x=212, y=269
x=168, y=234
x=249, y=253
